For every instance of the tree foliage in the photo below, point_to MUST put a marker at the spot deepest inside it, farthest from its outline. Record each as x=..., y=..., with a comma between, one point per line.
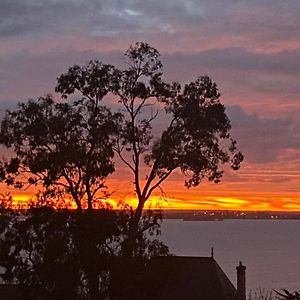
x=68, y=254
x=286, y=295
x=65, y=147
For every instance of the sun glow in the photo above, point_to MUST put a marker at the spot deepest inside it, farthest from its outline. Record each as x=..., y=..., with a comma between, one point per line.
x=184, y=200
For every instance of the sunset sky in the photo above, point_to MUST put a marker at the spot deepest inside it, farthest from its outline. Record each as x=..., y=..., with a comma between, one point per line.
x=250, y=48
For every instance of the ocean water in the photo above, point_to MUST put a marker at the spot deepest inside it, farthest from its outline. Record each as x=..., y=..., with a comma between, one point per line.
x=270, y=249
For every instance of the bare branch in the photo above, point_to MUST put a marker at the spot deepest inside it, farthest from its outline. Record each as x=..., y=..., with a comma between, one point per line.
x=119, y=152
x=164, y=177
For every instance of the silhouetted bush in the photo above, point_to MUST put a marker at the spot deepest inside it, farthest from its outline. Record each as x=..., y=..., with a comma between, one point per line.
x=262, y=294
x=286, y=295
x=67, y=254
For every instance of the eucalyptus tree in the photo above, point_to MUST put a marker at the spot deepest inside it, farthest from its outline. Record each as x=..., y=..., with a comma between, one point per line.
x=196, y=141
x=61, y=148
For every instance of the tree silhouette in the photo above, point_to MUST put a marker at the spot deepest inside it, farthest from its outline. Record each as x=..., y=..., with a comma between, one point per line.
x=65, y=147
x=286, y=295
x=197, y=140
x=71, y=254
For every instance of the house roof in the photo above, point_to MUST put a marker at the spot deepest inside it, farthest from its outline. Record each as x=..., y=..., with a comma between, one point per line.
x=173, y=277
x=189, y=278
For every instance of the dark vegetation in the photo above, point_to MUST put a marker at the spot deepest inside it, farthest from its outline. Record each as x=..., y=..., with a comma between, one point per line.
x=66, y=149
x=68, y=254
x=261, y=294
x=284, y=294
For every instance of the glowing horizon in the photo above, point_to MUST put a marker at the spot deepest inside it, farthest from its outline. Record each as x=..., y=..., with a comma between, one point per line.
x=194, y=203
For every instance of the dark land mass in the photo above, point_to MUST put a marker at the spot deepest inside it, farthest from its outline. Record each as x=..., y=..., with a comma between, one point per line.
x=220, y=215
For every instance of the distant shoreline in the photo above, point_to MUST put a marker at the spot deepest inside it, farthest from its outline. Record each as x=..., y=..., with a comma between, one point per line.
x=220, y=215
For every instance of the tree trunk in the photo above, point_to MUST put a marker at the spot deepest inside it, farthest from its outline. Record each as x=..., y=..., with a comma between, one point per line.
x=133, y=229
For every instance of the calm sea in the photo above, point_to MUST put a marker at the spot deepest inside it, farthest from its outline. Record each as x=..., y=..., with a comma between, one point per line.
x=270, y=249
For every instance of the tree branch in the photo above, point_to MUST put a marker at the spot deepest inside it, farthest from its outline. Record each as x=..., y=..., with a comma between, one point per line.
x=164, y=177
x=119, y=152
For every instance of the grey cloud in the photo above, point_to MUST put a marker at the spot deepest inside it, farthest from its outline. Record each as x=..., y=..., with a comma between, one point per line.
x=262, y=140
x=262, y=21
x=94, y=17
x=237, y=60
x=24, y=75
x=202, y=20
x=110, y=17
x=40, y=17
x=246, y=77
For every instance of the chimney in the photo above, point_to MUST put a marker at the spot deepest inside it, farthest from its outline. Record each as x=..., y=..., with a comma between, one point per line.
x=241, y=282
